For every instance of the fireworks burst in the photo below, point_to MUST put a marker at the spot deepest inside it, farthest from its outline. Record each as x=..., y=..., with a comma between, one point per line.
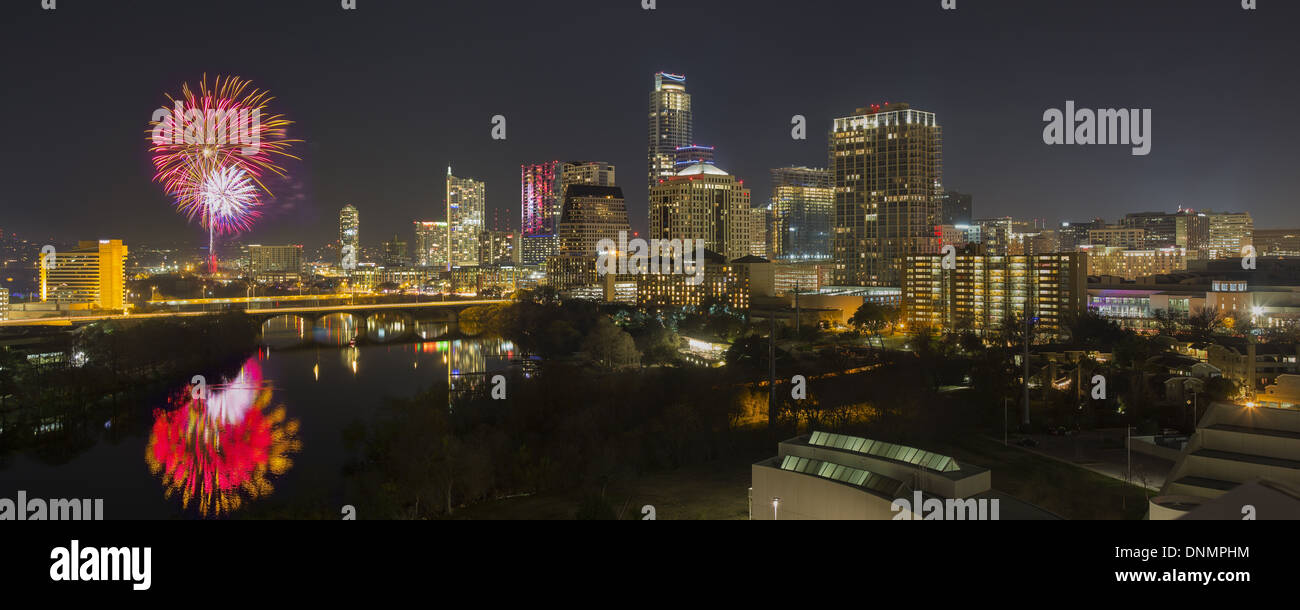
x=211, y=150
x=225, y=201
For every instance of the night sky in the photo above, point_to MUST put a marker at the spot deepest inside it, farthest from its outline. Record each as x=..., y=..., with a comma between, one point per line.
x=388, y=95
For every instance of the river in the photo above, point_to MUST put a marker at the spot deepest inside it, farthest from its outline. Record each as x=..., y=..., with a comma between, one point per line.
x=269, y=435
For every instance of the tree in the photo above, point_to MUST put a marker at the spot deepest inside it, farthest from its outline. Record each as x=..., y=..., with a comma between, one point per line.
x=610, y=346
x=873, y=318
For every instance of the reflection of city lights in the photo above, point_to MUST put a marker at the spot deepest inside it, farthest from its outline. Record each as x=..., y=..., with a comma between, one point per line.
x=218, y=451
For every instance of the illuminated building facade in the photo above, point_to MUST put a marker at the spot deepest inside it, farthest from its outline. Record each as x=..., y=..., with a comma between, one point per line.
x=1118, y=237
x=803, y=212
x=724, y=283
x=671, y=125
x=466, y=202
x=591, y=213
x=887, y=166
x=1133, y=264
x=703, y=202
x=430, y=243
x=598, y=173
x=272, y=264
x=4, y=304
x=541, y=191
x=1228, y=233
x=805, y=276
x=571, y=271
x=498, y=248
x=93, y=276
x=1277, y=242
x=760, y=230
x=981, y=292
x=350, y=230
x=690, y=155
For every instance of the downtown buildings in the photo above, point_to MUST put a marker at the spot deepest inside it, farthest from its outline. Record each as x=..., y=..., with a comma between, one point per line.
x=887, y=168
x=466, y=201
x=349, y=232
x=703, y=202
x=540, y=198
x=274, y=264
x=91, y=276
x=430, y=243
x=802, y=214
x=980, y=293
x=671, y=125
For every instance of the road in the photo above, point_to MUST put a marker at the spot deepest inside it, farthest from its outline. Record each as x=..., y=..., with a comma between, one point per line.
x=1092, y=451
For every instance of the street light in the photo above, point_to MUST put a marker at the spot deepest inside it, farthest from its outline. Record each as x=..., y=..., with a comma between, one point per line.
x=776, y=503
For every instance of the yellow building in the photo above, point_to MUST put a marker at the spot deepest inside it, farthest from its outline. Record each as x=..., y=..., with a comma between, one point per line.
x=93, y=276
x=978, y=293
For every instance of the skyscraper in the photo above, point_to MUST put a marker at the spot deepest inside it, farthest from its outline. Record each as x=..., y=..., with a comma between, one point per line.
x=703, y=202
x=466, y=203
x=591, y=213
x=540, y=191
x=350, y=230
x=690, y=155
x=887, y=165
x=598, y=173
x=803, y=205
x=671, y=125
x=430, y=243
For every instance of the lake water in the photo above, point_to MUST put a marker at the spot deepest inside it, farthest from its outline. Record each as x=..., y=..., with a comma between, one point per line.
x=272, y=432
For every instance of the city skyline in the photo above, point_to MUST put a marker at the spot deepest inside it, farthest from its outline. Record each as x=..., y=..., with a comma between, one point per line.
x=385, y=159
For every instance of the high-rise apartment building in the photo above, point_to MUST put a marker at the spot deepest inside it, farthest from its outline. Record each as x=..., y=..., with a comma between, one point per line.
x=591, y=213
x=272, y=264
x=92, y=276
x=980, y=293
x=1075, y=234
x=703, y=202
x=430, y=243
x=887, y=165
x=671, y=125
x=598, y=173
x=498, y=248
x=1228, y=233
x=803, y=211
x=350, y=230
x=466, y=203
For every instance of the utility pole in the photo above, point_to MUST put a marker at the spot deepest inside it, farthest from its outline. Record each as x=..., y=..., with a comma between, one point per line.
x=1025, y=423
x=797, y=318
x=771, y=373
